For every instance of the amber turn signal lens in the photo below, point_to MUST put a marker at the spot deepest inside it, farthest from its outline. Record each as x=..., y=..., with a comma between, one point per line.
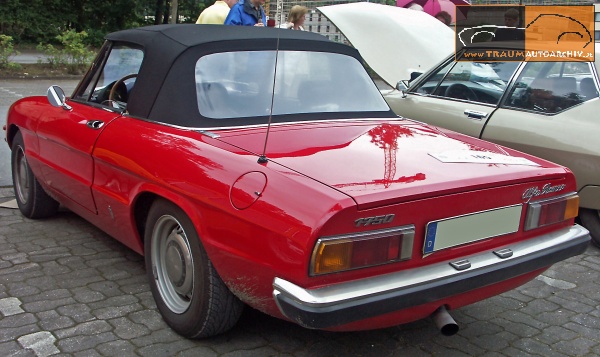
x=335, y=254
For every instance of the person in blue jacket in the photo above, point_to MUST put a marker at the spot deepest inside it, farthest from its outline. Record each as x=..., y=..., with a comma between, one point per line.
x=247, y=13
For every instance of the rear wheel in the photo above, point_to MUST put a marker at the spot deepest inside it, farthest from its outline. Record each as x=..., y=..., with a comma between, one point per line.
x=189, y=293
x=32, y=200
x=590, y=218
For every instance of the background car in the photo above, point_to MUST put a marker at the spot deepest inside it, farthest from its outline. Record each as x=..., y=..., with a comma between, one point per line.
x=547, y=109
x=262, y=166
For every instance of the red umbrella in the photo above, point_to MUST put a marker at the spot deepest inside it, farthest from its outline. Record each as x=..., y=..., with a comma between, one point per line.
x=433, y=7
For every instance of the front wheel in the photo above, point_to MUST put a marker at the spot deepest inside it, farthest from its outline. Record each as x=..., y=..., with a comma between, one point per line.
x=590, y=218
x=189, y=293
x=32, y=200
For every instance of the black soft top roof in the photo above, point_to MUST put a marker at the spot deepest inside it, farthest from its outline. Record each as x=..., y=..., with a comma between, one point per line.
x=165, y=86
x=189, y=35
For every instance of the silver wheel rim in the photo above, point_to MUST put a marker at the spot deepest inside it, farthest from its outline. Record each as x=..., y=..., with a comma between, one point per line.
x=172, y=264
x=21, y=171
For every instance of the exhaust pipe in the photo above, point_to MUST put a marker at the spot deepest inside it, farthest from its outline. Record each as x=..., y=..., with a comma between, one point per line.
x=444, y=322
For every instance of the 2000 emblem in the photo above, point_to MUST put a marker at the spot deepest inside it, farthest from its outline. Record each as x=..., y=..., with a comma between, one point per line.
x=370, y=221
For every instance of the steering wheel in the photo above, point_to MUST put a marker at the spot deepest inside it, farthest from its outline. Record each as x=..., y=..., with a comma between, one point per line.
x=118, y=92
x=460, y=91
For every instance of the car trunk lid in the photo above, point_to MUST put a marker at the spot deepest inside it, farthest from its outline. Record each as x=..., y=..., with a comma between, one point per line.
x=385, y=162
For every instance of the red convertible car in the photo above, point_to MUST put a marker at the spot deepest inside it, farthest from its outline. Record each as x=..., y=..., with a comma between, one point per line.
x=262, y=166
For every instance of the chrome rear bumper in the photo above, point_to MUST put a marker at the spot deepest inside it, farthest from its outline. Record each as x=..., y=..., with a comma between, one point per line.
x=357, y=300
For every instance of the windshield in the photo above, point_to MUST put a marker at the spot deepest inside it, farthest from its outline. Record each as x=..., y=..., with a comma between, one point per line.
x=240, y=84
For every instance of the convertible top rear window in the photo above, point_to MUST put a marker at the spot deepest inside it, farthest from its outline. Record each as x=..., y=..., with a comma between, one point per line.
x=240, y=84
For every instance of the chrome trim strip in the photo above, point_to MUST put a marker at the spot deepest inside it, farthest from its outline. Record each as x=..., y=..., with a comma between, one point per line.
x=342, y=293
x=251, y=126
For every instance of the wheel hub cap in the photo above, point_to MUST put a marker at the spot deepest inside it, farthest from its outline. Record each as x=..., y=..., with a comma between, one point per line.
x=172, y=264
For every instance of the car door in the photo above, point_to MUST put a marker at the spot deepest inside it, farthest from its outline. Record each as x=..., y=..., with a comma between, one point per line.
x=67, y=135
x=66, y=140
x=461, y=96
x=551, y=111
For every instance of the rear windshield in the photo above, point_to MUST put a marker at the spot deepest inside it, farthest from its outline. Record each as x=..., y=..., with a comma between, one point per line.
x=240, y=84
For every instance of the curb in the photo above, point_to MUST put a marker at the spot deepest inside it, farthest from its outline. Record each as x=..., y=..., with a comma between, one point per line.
x=58, y=77
x=6, y=192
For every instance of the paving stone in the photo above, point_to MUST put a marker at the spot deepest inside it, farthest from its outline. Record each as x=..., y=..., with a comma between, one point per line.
x=161, y=336
x=587, y=320
x=151, y=319
x=88, y=353
x=86, y=295
x=202, y=351
x=118, y=348
x=126, y=329
x=78, y=312
x=48, y=295
x=166, y=349
x=57, y=323
x=46, y=305
x=13, y=349
x=554, y=334
x=480, y=328
x=85, y=329
x=517, y=328
x=577, y=347
x=582, y=331
x=259, y=352
x=82, y=343
x=10, y=306
x=52, y=268
x=535, y=347
x=18, y=320
x=41, y=343
x=572, y=304
x=522, y=318
x=12, y=333
x=116, y=311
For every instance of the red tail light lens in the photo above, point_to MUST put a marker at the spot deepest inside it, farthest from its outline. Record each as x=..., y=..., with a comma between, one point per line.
x=361, y=250
x=543, y=213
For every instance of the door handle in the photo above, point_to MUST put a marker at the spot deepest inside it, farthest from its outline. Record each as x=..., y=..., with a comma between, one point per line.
x=475, y=114
x=95, y=124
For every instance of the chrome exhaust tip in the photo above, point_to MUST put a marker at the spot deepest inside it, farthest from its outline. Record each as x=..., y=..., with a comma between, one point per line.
x=444, y=322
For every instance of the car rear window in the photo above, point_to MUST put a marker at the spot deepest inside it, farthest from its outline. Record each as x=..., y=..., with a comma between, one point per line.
x=240, y=84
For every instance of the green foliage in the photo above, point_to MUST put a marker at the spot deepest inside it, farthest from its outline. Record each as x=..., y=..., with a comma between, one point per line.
x=74, y=53
x=6, y=51
x=35, y=21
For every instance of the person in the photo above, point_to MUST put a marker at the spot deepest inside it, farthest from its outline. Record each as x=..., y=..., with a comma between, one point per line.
x=414, y=6
x=247, y=13
x=216, y=13
x=296, y=18
x=444, y=17
x=511, y=32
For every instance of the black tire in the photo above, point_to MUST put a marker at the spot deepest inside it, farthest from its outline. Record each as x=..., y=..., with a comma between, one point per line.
x=32, y=200
x=590, y=219
x=189, y=293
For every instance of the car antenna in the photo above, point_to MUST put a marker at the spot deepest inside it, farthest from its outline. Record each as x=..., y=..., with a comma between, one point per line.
x=262, y=159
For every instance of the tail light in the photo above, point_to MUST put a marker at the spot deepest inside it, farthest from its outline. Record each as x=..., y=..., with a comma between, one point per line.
x=543, y=213
x=361, y=250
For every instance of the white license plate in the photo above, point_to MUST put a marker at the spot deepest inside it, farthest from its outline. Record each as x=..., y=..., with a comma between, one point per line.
x=472, y=227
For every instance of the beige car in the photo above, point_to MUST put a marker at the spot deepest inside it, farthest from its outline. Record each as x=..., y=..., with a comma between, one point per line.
x=548, y=109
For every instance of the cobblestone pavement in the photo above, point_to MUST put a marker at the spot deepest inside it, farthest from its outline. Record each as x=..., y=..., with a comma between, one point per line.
x=66, y=288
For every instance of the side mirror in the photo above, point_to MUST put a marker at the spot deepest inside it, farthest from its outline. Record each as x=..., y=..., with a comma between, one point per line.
x=401, y=87
x=56, y=97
